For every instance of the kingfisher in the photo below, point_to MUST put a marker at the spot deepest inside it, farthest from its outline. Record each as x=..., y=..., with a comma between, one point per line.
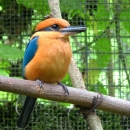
x=47, y=58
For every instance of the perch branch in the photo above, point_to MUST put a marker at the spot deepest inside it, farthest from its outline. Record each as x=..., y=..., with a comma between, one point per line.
x=55, y=92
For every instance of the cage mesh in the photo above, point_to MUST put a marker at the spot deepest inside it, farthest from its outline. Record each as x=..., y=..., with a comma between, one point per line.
x=102, y=54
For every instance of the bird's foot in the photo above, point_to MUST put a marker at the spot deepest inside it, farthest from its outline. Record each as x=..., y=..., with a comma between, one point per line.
x=40, y=83
x=64, y=87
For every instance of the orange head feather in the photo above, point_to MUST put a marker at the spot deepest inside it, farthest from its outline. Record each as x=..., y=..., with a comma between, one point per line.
x=49, y=22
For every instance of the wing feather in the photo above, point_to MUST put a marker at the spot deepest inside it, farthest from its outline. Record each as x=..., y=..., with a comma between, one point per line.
x=29, y=53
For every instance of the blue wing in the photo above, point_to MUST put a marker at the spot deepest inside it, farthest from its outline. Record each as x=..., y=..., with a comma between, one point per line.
x=29, y=53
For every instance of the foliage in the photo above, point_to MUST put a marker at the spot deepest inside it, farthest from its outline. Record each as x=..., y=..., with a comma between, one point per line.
x=13, y=17
x=58, y=117
x=102, y=48
x=36, y=5
x=10, y=53
x=40, y=4
x=125, y=16
x=4, y=65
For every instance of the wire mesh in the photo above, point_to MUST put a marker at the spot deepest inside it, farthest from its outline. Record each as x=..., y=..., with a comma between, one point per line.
x=101, y=53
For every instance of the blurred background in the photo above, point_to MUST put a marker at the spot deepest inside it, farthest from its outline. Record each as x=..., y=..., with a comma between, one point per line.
x=102, y=54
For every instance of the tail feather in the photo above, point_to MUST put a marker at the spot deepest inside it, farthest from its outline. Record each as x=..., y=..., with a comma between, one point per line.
x=26, y=112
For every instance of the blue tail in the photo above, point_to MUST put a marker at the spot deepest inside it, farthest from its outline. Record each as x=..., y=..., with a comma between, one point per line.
x=26, y=112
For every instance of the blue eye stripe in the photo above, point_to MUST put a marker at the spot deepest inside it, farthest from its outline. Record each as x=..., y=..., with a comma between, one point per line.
x=47, y=29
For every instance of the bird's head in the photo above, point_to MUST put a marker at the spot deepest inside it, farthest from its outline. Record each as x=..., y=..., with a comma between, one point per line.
x=59, y=25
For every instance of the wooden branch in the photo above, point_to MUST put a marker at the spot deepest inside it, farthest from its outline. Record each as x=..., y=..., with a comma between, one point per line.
x=75, y=75
x=56, y=93
x=54, y=8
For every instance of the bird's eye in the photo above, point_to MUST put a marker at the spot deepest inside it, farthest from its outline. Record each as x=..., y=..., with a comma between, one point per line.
x=55, y=27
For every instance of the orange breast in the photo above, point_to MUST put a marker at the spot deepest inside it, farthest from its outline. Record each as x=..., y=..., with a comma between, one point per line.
x=52, y=59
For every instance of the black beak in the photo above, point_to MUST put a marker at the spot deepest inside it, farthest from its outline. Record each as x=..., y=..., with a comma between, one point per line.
x=71, y=30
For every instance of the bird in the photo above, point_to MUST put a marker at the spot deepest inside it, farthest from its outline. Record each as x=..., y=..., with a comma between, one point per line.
x=47, y=58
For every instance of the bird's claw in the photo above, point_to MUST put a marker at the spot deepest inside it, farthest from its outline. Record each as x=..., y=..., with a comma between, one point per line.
x=64, y=87
x=40, y=83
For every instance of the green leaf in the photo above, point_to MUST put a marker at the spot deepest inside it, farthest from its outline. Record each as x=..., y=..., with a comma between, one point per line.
x=93, y=72
x=125, y=19
x=4, y=5
x=101, y=16
x=4, y=72
x=4, y=64
x=101, y=88
x=67, y=5
x=4, y=68
x=10, y=53
x=40, y=5
x=103, y=51
x=7, y=96
x=66, y=80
